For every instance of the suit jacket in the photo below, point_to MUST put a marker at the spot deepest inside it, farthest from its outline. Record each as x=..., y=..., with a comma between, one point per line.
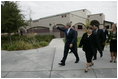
x=105, y=33
x=71, y=37
x=99, y=38
x=99, y=35
x=88, y=43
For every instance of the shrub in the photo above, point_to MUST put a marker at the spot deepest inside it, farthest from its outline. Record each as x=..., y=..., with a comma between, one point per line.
x=5, y=46
x=36, y=45
x=17, y=45
x=25, y=42
x=21, y=45
x=43, y=43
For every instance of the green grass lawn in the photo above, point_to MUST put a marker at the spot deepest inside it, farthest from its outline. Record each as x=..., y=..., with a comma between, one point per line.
x=25, y=42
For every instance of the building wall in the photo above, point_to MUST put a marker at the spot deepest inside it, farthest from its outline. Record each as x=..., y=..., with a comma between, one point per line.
x=51, y=21
x=74, y=19
x=81, y=13
x=79, y=16
x=108, y=24
x=75, y=16
x=33, y=24
x=82, y=17
x=99, y=17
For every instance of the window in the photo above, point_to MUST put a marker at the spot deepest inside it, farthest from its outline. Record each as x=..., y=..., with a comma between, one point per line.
x=64, y=15
x=100, y=14
x=50, y=24
x=79, y=26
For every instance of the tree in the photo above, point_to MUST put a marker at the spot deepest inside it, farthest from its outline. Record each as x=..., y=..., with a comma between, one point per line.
x=11, y=17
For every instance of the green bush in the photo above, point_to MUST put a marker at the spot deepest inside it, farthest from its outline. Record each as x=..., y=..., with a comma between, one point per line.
x=21, y=45
x=36, y=45
x=5, y=46
x=25, y=42
x=43, y=43
x=17, y=45
x=47, y=38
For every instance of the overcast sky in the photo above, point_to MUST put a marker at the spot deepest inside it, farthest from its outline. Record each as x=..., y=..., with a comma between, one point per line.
x=41, y=9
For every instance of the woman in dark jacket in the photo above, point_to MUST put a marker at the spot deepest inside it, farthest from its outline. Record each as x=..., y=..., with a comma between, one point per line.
x=89, y=44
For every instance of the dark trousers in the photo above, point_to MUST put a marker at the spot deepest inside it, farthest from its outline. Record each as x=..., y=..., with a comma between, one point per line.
x=66, y=50
x=102, y=46
x=89, y=55
x=74, y=50
x=95, y=53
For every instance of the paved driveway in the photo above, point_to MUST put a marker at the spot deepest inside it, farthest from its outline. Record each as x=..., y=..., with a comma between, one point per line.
x=43, y=63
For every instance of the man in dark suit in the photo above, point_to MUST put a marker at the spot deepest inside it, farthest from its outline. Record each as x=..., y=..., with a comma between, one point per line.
x=105, y=36
x=99, y=37
x=71, y=43
x=73, y=27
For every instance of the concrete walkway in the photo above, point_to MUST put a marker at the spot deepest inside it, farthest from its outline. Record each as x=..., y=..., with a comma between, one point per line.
x=43, y=63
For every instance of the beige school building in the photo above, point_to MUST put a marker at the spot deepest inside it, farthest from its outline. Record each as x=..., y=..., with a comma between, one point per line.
x=79, y=18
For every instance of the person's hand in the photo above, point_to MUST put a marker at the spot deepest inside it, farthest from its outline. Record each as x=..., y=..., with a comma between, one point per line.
x=71, y=45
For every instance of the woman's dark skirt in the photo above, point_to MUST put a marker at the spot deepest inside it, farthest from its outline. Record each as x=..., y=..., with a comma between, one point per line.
x=89, y=55
x=113, y=46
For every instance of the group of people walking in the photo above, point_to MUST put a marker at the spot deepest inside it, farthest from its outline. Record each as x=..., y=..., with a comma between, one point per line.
x=92, y=41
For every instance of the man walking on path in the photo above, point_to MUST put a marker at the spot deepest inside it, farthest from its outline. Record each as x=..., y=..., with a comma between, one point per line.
x=71, y=43
x=99, y=37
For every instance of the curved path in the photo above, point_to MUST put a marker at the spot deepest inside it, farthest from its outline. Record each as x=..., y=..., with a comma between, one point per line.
x=43, y=63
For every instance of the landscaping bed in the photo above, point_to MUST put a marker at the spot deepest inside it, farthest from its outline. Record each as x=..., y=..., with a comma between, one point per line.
x=24, y=42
